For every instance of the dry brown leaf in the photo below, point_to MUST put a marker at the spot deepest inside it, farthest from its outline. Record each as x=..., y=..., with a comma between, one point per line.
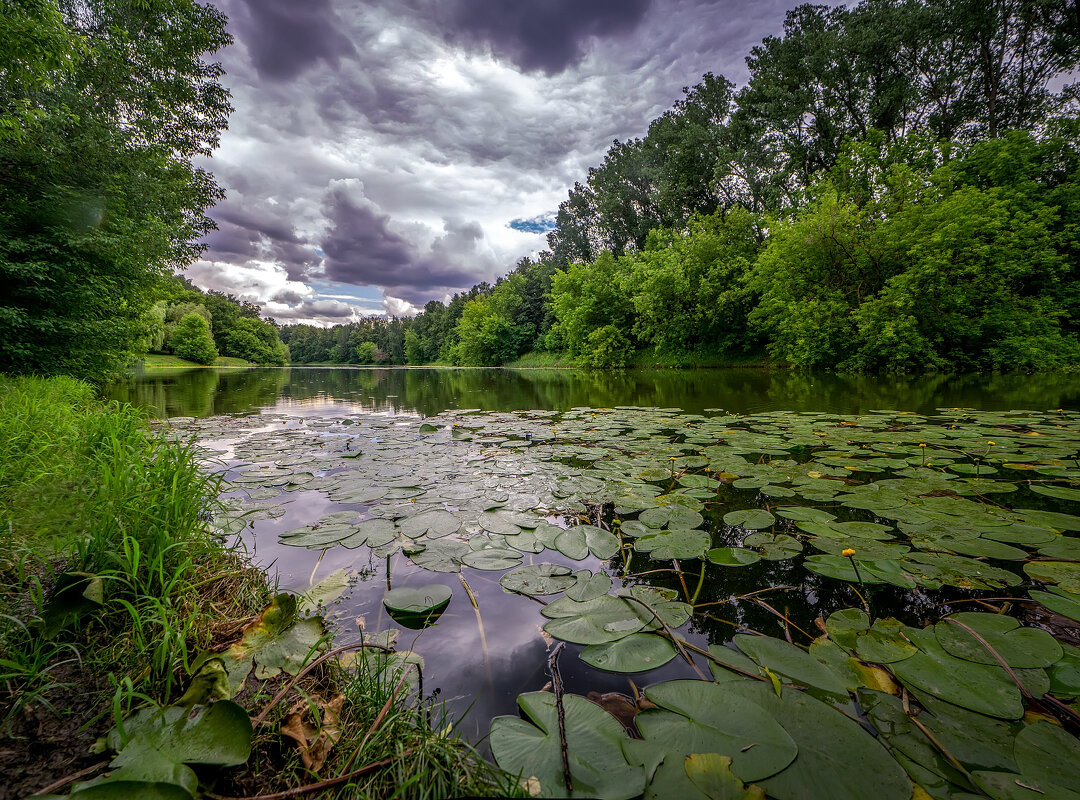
x=315, y=741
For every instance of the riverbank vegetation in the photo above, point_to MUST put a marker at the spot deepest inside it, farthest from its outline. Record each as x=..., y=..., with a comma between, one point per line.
x=123, y=601
x=894, y=188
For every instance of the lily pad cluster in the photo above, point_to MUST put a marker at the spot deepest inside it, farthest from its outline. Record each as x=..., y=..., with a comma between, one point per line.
x=969, y=707
x=563, y=504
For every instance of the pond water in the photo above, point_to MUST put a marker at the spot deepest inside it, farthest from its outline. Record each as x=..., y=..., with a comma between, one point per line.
x=462, y=477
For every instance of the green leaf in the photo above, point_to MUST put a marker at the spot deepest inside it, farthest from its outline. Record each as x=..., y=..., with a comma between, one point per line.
x=1049, y=756
x=774, y=546
x=219, y=734
x=1027, y=648
x=418, y=599
x=531, y=748
x=732, y=556
x=668, y=544
x=441, y=555
x=638, y=652
x=539, y=579
x=602, y=619
x=791, y=662
x=588, y=585
x=1065, y=574
x=838, y=759
x=712, y=775
x=700, y=717
x=750, y=519
x=978, y=687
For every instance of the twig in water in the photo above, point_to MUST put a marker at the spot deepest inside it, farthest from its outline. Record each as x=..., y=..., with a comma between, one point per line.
x=556, y=683
x=674, y=639
x=321, y=785
x=52, y=787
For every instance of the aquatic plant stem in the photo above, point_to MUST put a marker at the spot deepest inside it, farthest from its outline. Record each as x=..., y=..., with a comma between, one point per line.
x=674, y=639
x=556, y=683
x=682, y=580
x=700, y=583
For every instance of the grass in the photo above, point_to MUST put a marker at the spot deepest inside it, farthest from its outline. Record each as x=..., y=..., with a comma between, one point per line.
x=111, y=584
x=157, y=361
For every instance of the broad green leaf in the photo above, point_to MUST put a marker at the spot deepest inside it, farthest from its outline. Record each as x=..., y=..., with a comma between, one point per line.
x=700, y=717
x=638, y=652
x=538, y=579
x=531, y=748
x=791, y=662
x=1027, y=648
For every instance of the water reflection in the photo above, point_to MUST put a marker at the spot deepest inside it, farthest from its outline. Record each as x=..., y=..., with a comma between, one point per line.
x=205, y=392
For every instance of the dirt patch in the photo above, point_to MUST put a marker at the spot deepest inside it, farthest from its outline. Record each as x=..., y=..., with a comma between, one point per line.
x=41, y=746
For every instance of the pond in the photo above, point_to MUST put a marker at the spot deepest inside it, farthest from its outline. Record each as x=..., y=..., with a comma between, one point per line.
x=650, y=519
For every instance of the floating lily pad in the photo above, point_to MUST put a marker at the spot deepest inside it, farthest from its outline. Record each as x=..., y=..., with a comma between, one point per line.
x=668, y=544
x=700, y=717
x=579, y=541
x=1060, y=492
x=638, y=652
x=750, y=519
x=1065, y=574
x=978, y=687
x=596, y=621
x=829, y=745
x=791, y=662
x=732, y=556
x=1028, y=648
x=588, y=585
x=539, y=579
x=532, y=748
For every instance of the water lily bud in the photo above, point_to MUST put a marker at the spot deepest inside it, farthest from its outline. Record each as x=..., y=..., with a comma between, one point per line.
x=847, y=552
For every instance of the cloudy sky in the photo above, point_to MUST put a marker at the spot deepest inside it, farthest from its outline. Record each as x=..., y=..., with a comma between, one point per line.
x=384, y=153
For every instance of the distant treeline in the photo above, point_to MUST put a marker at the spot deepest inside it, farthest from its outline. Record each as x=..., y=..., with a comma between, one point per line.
x=896, y=187
x=200, y=326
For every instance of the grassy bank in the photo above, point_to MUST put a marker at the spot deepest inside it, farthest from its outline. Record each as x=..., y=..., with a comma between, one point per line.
x=119, y=603
x=157, y=361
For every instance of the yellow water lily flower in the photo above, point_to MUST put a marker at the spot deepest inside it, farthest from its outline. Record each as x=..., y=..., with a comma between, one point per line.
x=847, y=552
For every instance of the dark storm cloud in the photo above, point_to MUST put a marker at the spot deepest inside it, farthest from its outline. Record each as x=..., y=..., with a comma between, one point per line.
x=403, y=99
x=285, y=37
x=544, y=35
x=316, y=309
x=360, y=249
x=245, y=233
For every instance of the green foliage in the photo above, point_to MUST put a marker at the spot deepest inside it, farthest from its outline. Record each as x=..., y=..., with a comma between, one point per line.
x=254, y=340
x=490, y=331
x=190, y=338
x=365, y=352
x=606, y=348
x=101, y=198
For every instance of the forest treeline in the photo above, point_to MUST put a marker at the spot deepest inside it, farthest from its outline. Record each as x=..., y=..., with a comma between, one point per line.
x=896, y=187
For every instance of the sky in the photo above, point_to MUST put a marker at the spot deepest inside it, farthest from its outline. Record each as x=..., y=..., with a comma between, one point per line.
x=385, y=153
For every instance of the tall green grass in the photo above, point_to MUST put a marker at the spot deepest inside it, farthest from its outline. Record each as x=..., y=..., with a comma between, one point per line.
x=85, y=487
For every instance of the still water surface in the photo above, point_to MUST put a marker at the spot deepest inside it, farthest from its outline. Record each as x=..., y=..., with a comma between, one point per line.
x=481, y=659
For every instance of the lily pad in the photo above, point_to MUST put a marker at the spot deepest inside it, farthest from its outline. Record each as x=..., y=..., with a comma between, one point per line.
x=978, y=687
x=1027, y=648
x=1065, y=574
x=732, y=556
x=539, y=579
x=791, y=662
x=750, y=519
x=668, y=544
x=602, y=619
x=531, y=748
x=700, y=717
x=638, y=652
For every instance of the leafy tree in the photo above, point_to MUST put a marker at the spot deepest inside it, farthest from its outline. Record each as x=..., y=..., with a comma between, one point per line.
x=587, y=297
x=606, y=348
x=255, y=340
x=365, y=352
x=102, y=201
x=190, y=339
x=414, y=349
x=490, y=331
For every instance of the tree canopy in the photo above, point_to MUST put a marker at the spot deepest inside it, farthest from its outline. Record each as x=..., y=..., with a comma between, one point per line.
x=101, y=199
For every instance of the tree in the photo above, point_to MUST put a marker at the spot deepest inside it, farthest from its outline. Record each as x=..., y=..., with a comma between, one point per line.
x=365, y=352
x=191, y=339
x=101, y=202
